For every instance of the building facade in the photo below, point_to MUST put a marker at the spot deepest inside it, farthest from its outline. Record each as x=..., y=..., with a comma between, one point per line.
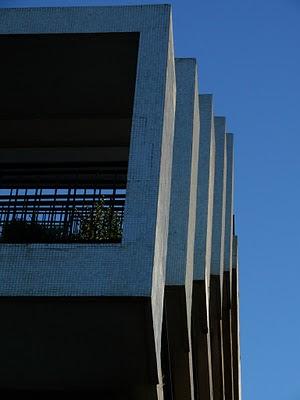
x=118, y=256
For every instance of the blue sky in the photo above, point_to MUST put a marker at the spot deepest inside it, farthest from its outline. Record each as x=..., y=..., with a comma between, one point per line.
x=248, y=55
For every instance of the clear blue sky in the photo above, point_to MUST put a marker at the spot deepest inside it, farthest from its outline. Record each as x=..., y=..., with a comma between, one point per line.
x=248, y=55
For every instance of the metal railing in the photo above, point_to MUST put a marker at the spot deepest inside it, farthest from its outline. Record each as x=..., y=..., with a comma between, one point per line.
x=61, y=215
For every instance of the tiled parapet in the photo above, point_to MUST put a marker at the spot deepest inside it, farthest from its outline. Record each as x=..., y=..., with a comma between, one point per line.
x=111, y=269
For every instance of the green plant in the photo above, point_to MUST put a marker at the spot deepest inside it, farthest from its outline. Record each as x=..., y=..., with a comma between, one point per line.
x=103, y=223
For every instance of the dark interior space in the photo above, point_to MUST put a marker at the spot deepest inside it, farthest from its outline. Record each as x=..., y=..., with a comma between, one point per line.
x=89, y=78
x=66, y=98
x=76, y=344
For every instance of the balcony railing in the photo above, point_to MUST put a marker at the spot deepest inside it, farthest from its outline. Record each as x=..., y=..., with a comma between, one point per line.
x=61, y=215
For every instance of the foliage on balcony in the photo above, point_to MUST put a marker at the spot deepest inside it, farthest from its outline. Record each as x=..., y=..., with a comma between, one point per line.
x=100, y=223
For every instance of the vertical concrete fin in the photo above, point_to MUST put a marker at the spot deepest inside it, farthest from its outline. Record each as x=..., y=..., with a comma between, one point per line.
x=181, y=236
x=229, y=204
x=235, y=252
x=205, y=188
x=184, y=176
x=227, y=277
x=163, y=199
x=218, y=232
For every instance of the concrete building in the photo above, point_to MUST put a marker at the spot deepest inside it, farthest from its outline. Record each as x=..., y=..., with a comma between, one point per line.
x=118, y=256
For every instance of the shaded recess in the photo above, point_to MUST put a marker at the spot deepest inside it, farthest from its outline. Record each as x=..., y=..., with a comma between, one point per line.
x=66, y=91
x=175, y=349
x=66, y=106
x=77, y=344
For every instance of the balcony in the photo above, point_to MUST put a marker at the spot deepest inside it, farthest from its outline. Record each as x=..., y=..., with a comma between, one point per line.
x=66, y=120
x=59, y=215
